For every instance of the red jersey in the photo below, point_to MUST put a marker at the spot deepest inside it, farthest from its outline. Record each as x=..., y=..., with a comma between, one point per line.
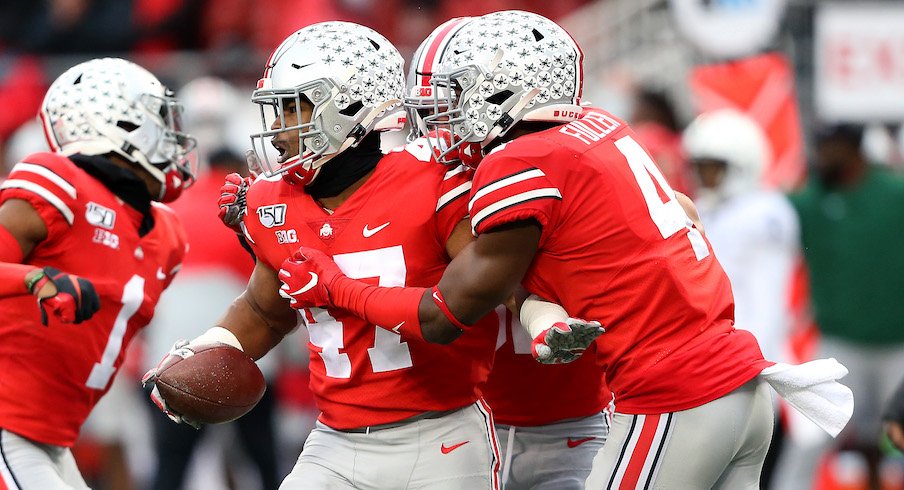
x=617, y=247
x=51, y=377
x=524, y=393
x=213, y=246
x=392, y=231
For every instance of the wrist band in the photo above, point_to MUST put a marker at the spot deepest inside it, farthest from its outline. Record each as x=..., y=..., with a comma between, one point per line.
x=441, y=304
x=36, y=282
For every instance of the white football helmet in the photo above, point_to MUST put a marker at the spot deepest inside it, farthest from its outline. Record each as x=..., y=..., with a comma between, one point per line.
x=419, y=100
x=500, y=69
x=111, y=105
x=729, y=136
x=354, y=78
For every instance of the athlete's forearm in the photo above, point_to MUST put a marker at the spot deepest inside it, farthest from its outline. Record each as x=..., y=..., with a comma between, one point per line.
x=482, y=276
x=15, y=279
x=254, y=331
x=260, y=317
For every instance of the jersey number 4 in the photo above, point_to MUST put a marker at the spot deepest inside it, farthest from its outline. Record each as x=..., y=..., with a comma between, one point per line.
x=668, y=216
x=388, y=352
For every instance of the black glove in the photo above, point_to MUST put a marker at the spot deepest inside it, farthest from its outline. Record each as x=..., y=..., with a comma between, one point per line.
x=75, y=300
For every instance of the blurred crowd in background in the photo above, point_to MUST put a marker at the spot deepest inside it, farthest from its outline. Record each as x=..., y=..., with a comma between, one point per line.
x=823, y=81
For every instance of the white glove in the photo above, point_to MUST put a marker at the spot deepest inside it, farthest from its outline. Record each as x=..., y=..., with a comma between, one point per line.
x=557, y=337
x=183, y=349
x=564, y=342
x=180, y=349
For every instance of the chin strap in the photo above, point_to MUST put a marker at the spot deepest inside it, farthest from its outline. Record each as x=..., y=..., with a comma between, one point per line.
x=518, y=107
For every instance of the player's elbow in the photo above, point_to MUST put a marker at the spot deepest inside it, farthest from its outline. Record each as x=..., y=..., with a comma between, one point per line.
x=440, y=332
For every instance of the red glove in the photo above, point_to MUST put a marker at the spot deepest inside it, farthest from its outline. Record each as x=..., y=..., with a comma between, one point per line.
x=232, y=200
x=74, y=302
x=307, y=277
x=564, y=342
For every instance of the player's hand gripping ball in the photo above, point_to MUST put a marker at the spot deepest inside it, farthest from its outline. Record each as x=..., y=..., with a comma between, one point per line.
x=205, y=384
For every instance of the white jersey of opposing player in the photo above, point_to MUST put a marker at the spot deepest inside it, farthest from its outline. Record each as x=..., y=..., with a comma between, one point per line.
x=755, y=237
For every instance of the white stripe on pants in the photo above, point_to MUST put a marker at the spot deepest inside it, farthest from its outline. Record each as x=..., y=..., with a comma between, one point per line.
x=721, y=444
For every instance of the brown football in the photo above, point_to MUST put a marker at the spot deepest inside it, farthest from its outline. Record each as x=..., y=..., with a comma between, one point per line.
x=216, y=384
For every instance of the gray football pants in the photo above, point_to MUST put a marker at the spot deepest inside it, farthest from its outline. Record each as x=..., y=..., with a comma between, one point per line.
x=30, y=465
x=456, y=451
x=721, y=444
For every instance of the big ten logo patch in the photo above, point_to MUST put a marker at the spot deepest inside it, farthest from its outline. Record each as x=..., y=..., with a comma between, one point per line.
x=286, y=236
x=106, y=238
x=272, y=215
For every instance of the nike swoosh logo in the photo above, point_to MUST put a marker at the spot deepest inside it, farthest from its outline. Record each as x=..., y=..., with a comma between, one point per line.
x=397, y=327
x=160, y=274
x=577, y=442
x=437, y=298
x=448, y=449
x=371, y=232
x=309, y=285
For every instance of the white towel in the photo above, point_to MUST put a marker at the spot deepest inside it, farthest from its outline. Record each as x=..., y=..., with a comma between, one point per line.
x=812, y=389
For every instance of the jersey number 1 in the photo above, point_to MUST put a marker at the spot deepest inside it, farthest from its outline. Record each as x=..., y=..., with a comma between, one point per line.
x=132, y=296
x=668, y=216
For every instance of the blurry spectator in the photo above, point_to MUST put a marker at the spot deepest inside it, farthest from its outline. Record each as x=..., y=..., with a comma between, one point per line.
x=214, y=273
x=656, y=126
x=22, y=86
x=219, y=115
x=167, y=24
x=753, y=230
x=104, y=26
x=850, y=214
x=28, y=139
x=894, y=418
x=73, y=26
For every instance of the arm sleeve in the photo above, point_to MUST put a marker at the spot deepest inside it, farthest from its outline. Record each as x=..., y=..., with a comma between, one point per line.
x=507, y=189
x=48, y=186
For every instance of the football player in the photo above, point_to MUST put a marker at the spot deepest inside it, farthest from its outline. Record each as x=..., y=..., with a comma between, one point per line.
x=396, y=412
x=753, y=230
x=82, y=227
x=567, y=203
x=548, y=417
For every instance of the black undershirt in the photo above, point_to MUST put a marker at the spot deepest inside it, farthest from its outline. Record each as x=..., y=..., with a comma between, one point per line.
x=122, y=182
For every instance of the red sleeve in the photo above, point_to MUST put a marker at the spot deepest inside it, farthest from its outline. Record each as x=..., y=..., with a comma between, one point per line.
x=251, y=226
x=47, y=183
x=167, y=217
x=508, y=189
x=452, y=203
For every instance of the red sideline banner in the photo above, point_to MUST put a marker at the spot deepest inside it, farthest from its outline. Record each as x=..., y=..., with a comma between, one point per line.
x=763, y=87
